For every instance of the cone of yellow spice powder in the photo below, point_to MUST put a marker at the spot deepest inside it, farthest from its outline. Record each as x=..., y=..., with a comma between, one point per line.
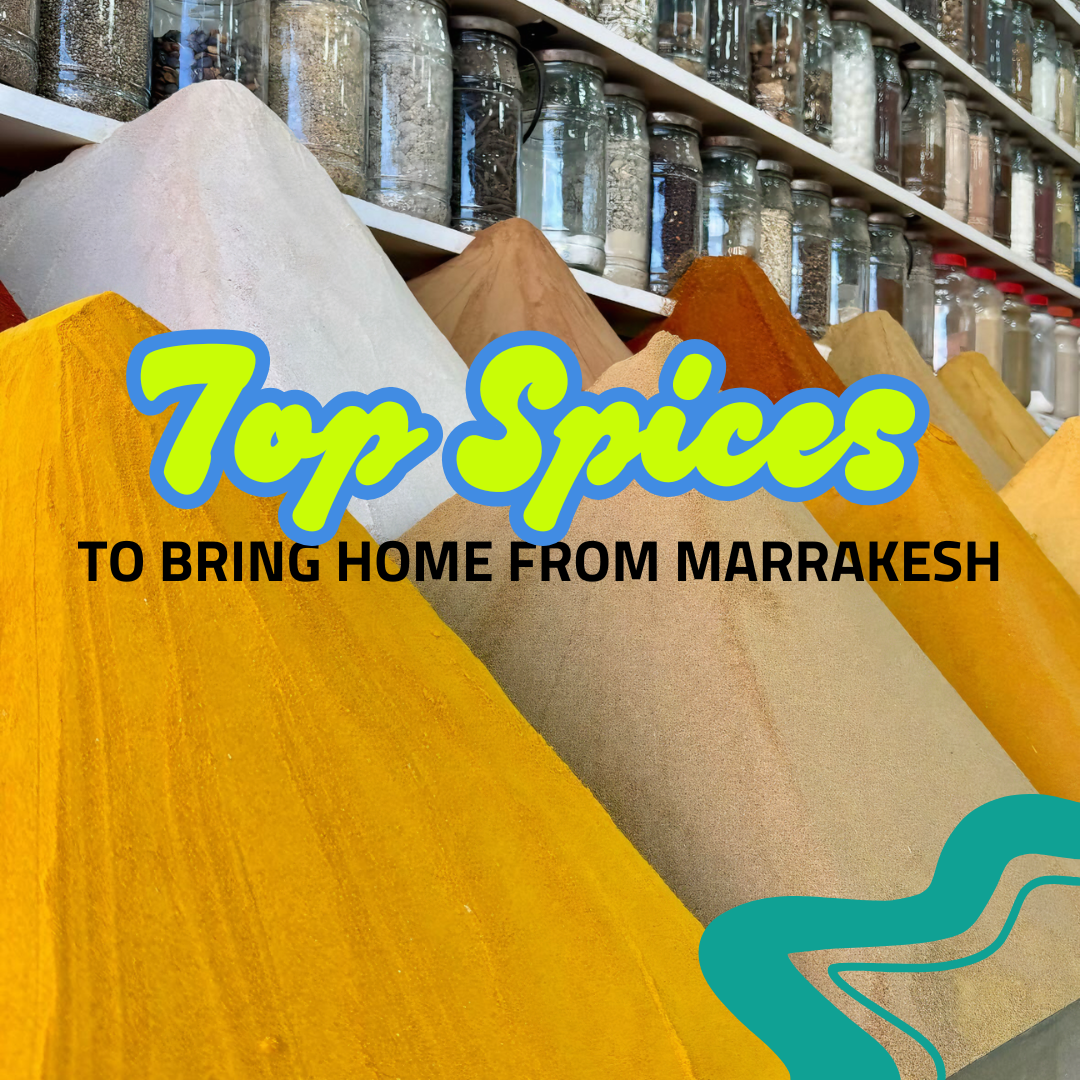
x=288, y=829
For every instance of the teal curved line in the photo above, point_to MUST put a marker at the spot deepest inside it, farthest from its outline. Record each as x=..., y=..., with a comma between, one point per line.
x=941, y=965
x=745, y=953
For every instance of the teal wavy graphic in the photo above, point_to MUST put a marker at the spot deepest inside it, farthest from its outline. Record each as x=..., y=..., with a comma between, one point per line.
x=745, y=953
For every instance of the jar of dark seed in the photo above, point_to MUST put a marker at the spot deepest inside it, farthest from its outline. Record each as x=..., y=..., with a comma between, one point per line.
x=999, y=43
x=732, y=195
x=953, y=26
x=776, y=55
x=1023, y=46
x=207, y=40
x=634, y=20
x=889, y=92
x=682, y=33
x=979, y=35
x=919, y=295
x=849, y=291
x=318, y=81
x=629, y=185
x=676, y=240
x=924, y=12
x=1001, y=181
x=888, y=265
x=729, y=47
x=811, y=241
x=95, y=55
x=1044, y=210
x=487, y=122
x=410, y=107
x=922, y=133
x=19, y=44
x=777, y=216
x=563, y=167
x=818, y=72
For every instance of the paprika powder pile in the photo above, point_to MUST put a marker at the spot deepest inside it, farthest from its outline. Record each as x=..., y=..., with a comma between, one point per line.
x=730, y=303
x=286, y=828
x=1045, y=497
x=10, y=312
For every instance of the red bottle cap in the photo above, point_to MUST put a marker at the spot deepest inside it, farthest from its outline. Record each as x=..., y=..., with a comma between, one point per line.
x=1076, y=322
x=1036, y=299
x=1013, y=287
x=950, y=260
x=983, y=273
x=1060, y=312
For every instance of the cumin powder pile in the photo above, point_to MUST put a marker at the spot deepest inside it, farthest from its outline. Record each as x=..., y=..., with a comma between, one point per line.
x=286, y=829
x=762, y=738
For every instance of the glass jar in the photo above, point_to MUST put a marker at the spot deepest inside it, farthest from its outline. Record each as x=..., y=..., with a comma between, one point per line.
x=776, y=73
x=19, y=44
x=1076, y=234
x=1023, y=45
x=1066, y=90
x=817, y=71
x=1043, y=373
x=629, y=183
x=854, y=110
x=888, y=265
x=563, y=180
x=954, y=309
x=922, y=133
x=919, y=295
x=1064, y=224
x=634, y=20
x=95, y=56
x=980, y=184
x=924, y=12
x=957, y=151
x=729, y=47
x=318, y=82
x=1001, y=182
x=1066, y=363
x=675, y=157
x=410, y=109
x=849, y=262
x=1015, y=342
x=777, y=213
x=1044, y=211
x=1044, y=75
x=681, y=34
x=989, y=327
x=732, y=195
x=999, y=46
x=487, y=122
x=979, y=35
x=953, y=27
x=1022, y=218
x=811, y=242
x=889, y=92
x=200, y=40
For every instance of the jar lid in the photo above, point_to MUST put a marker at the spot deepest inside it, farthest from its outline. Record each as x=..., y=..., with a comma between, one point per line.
x=1036, y=299
x=921, y=65
x=848, y=16
x=1060, y=312
x=1014, y=288
x=676, y=119
x=482, y=22
x=781, y=167
x=572, y=56
x=848, y=202
x=884, y=218
x=817, y=186
x=883, y=43
x=955, y=88
x=735, y=142
x=949, y=259
x=983, y=273
x=618, y=89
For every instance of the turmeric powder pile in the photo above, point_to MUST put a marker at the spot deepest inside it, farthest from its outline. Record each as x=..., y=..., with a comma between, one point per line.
x=286, y=828
x=1045, y=497
x=1011, y=647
